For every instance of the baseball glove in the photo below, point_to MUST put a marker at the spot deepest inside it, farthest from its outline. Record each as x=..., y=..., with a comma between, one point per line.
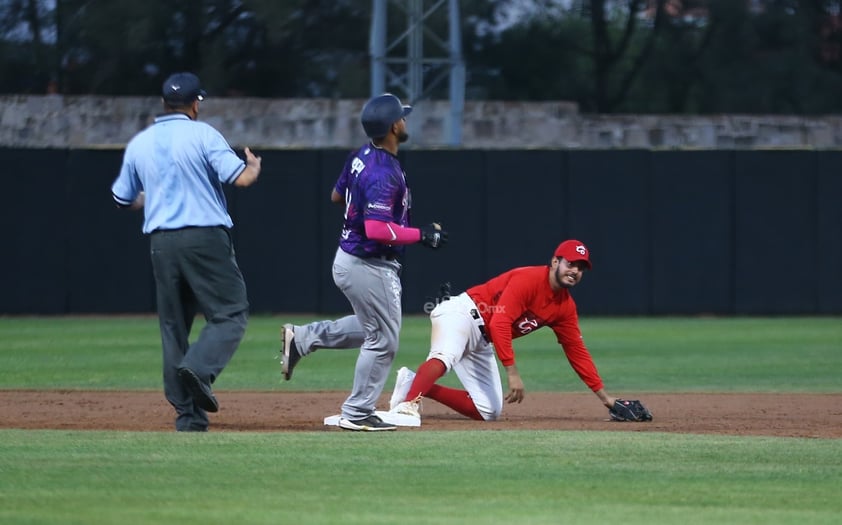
x=629, y=410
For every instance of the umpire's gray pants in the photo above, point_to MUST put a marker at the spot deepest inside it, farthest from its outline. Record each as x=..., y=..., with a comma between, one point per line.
x=373, y=288
x=196, y=271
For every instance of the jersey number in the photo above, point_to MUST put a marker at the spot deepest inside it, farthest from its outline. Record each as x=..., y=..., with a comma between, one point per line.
x=357, y=166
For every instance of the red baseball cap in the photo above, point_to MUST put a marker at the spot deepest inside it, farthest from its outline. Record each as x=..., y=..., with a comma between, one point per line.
x=573, y=251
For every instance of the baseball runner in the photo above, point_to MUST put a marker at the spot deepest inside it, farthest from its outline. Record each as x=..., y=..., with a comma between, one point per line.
x=468, y=328
x=174, y=170
x=366, y=267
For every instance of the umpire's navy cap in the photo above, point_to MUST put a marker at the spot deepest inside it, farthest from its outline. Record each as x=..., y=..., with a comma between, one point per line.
x=182, y=89
x=380, y=112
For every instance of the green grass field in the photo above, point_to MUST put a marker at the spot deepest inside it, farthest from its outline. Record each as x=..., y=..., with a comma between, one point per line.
x=523, y=477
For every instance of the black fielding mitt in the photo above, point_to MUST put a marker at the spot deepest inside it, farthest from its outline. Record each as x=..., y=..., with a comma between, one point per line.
x=629, y=410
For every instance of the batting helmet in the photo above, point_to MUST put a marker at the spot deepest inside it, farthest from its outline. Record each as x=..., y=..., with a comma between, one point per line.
x=380, y=112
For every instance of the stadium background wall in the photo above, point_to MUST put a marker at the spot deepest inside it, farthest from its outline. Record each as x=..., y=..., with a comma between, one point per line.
x=671, y=232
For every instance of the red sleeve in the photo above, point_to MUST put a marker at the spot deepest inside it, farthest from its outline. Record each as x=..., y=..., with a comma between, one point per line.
x=390, y=232
x=570, y=338
x=512, y=303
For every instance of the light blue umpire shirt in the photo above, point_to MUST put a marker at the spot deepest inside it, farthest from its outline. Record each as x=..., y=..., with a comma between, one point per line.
x=181, y=164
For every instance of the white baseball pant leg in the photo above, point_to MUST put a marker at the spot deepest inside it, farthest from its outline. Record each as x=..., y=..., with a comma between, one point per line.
x=457, y=342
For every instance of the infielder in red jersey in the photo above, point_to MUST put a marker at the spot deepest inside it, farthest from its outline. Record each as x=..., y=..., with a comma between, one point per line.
x=468, y=328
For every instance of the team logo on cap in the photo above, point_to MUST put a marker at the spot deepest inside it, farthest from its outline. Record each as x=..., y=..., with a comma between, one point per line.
x=581, y=250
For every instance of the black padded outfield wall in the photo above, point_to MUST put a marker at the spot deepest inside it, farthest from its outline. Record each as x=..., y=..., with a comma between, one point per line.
x=690, y=238
x=609, y=207
x=671, y=233
x=276, y=223
x=106, y=260
x=33, y=214
x=828, y=254
x=775, y=227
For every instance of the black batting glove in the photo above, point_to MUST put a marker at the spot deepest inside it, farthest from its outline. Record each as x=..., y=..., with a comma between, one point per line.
x=433, y=236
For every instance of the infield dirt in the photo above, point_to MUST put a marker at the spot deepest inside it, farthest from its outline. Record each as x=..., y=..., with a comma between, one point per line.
x=792, y=415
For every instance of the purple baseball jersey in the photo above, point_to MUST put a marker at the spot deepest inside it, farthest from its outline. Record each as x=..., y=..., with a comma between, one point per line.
x=374, y=186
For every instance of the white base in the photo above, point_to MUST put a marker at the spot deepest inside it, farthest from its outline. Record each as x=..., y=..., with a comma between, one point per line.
x=401, y=420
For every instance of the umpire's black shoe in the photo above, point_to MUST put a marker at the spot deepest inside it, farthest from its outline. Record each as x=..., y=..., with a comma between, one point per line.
x=201, y=391
x=289, y=351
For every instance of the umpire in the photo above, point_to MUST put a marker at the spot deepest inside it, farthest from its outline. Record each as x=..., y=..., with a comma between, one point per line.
x=174, y=170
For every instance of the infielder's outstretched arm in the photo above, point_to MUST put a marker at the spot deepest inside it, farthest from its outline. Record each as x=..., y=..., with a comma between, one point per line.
x=605, y=398
x=515, y=383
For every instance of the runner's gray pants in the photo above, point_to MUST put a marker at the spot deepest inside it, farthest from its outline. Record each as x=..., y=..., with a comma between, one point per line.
x=373, y=288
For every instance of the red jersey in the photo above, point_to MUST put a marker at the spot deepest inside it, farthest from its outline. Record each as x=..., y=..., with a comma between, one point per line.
x=520, y=301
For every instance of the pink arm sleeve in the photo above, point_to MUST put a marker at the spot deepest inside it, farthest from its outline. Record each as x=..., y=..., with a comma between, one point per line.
x=391, y=233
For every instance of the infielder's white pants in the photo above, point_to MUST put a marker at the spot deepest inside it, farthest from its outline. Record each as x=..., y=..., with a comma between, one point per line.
x=457, y=342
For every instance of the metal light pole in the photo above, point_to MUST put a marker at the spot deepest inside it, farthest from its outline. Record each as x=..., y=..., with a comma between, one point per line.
x=407, y=73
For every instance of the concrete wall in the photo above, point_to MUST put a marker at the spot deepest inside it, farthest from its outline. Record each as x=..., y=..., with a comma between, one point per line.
x=30, y=121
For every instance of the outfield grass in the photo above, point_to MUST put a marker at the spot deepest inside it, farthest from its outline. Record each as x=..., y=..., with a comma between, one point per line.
x=482, y=477
x=638, y=354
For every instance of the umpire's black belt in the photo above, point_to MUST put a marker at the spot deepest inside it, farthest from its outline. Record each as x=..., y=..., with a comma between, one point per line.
x=185, y=228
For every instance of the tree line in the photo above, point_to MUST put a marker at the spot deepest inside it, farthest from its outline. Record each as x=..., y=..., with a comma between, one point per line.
x=608, y=56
